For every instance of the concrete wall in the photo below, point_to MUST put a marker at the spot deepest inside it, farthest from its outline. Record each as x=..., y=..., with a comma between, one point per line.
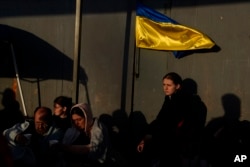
x=216, y=73
x=107, y=54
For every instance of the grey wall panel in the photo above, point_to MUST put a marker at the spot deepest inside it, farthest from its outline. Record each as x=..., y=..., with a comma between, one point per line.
x=107, y=52
x=216, y=73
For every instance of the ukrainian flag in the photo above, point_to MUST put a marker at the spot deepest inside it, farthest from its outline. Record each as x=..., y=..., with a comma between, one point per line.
x=159, y=32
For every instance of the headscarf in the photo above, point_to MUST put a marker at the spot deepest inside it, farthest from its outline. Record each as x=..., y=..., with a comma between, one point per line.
x=87, y=114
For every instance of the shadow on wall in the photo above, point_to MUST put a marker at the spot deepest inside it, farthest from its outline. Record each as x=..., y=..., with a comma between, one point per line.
x=227, y=136
x=48, y=7
x=11, y=113
x=35, y=59
x=190, y=87
x=125, y=133
x=182, y=54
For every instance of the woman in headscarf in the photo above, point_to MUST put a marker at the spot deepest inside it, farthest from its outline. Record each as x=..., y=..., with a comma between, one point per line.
x=87, y=141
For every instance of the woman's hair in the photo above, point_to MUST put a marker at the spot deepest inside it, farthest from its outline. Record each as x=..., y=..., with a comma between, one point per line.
x=78, y=111
x=176, y=78
x=64, y=101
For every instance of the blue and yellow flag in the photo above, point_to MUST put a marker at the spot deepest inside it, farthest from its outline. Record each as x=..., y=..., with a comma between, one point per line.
x=159, y=32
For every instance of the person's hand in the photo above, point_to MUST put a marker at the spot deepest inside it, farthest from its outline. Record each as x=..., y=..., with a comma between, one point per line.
x=53, y=142
x=140, y=146
x=56, y=147
x=147, y=138
x=21, y=139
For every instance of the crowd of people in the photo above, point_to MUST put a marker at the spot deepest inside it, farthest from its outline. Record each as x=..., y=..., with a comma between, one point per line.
x=70, y=136
x=67, y=136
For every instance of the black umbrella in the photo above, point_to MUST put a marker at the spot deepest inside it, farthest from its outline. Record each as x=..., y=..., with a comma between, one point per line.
x=33, y=57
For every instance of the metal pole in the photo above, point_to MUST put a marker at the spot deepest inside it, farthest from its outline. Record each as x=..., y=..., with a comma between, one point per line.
x=77, y=51
x=18, y=80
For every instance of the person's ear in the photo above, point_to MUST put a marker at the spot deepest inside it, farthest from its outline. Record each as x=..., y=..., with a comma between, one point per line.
x=178, y=86
x=64, y=108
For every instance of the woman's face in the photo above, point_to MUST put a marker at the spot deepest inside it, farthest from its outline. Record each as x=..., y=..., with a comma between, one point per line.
x=58, y=110
x=78, y=121
x=169, y=87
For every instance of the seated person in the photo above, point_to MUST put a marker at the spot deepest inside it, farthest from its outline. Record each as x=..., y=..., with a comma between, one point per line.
x=11, y=113
x=62, y=106
x=5, y=154
x=86, y=142
x=29, y=141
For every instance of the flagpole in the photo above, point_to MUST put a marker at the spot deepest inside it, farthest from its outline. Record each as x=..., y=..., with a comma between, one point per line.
x=77, y=51
x=135, y=74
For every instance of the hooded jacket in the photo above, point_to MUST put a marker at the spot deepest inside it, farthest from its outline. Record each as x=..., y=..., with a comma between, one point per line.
x=99, y=140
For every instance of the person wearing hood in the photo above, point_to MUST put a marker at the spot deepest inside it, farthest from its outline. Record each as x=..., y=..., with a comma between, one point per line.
x=86, y=142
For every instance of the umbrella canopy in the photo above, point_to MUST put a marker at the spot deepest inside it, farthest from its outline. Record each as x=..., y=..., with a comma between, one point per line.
x=24, y=55
x=35, y=58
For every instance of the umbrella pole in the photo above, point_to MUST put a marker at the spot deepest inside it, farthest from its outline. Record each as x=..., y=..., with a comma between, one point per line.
x=18, y=80
x=77, y=51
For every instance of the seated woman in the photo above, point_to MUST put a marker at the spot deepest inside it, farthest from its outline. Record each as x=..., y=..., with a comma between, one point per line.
x=86, y=142
x=62, y=106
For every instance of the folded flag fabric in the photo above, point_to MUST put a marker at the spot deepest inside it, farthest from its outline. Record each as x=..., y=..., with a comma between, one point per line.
x=159, y=32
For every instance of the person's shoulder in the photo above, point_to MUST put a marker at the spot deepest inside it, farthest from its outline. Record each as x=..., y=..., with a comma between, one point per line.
x=182, y=97
x=71, y=131
x=19, y=127
x=55, y=132
x=215, y=122
x=26, y=123
x=245, y=124
x=98, y=125
x=97, y=122
x=55, y=128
